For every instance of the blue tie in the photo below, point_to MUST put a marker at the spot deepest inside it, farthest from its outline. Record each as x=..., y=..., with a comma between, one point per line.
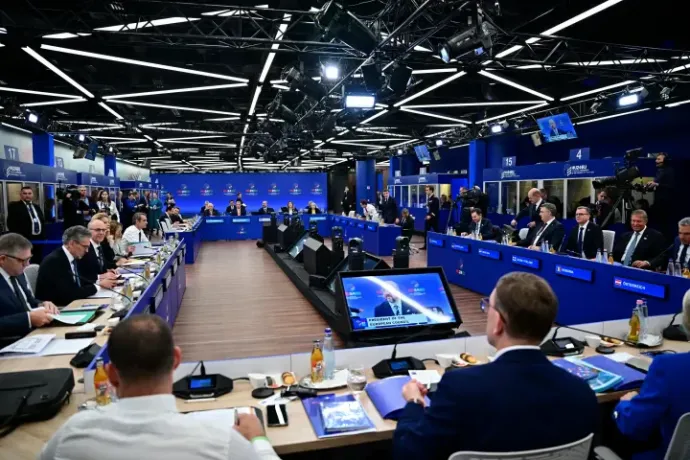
x=580, y=239
x=76, y=273
x=628, y=256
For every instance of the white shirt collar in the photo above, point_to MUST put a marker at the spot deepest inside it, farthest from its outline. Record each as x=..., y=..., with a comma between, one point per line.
x=584, y=226
x=539, y=203
x=5, y=275
x=70, y=257
x=549, y=222
x=513, y=348
x=152, y=403
x=95, y=246
x=641, y=231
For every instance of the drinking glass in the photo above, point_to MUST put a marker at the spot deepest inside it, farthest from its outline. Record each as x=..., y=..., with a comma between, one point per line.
x=356, y=379
x=484, y=304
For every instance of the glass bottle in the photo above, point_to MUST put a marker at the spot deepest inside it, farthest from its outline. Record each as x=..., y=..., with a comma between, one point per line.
x=101, y=384
x=317, y=363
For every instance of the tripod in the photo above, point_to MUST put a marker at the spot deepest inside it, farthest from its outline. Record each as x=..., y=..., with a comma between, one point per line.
x=453, y=207
x=626, y=198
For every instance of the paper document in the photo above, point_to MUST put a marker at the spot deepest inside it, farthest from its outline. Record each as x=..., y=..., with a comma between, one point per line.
x=221, y=417
x=73, y=317
x=102, y=294
x=426, y=378
x=84, y=307
x=65, y=347
x=32, y=344
x=621, y=357
x=134, y=263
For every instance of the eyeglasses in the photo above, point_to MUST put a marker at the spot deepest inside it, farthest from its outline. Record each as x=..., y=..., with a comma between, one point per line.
x=20, y=260
x=581, y=214
x=99, y=230
x=84, y=246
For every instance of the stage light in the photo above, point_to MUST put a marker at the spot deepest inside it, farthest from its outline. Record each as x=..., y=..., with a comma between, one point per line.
x=305, y=84
x=628, y=99
x=32, y=118
x=496, y=129
x=472, y=38
x=81, y=138
x=331, y=72
x=360, y=101
x=372, y=76
x=400, y=151
x=439, y=142
x=335, y=22
x=399, y=79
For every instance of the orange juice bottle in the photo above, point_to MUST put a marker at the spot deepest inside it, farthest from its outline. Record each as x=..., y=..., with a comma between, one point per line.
x=101, y=384
x=317, y=364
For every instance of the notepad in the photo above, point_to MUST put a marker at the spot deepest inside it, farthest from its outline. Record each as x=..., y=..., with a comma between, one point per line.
x=84, y=308
x=74, y=317
x=31, y=344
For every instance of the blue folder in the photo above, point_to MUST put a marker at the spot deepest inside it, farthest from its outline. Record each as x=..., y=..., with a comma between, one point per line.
x=312, y=406
x=631, y=378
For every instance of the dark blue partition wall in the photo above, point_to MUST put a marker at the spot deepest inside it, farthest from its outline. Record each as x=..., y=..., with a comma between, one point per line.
x=192, y=190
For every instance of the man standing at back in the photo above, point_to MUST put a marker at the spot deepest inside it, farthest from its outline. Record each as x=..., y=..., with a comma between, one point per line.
x=512, y=404
x=26, y=219
x=145, y=423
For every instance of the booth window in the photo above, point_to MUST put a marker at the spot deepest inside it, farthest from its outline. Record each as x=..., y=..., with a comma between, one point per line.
x=580, y=193
x=2, y=211
x=50, y=205
x=491, y=189
x=509, y=200
x=556, y=193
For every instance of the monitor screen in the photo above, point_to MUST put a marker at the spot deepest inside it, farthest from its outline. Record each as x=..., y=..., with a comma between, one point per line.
x=298, y=246
x=400, y=300
x=91, y=153
x=369, y=264
x=557, y=128
x=423, y=154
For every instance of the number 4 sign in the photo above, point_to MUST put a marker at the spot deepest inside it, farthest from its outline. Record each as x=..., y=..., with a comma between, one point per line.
x=579, y=154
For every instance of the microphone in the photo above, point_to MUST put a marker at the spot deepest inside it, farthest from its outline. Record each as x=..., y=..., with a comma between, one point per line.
x=674, y=331
x=662, y=252
x=399, y=366
x=407, y=339
x=133, y=273
x=102, y=287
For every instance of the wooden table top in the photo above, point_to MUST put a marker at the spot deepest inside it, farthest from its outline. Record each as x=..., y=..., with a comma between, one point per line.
x=27, y=441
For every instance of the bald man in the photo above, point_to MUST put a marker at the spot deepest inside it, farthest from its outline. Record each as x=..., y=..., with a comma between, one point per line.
x=532, y=210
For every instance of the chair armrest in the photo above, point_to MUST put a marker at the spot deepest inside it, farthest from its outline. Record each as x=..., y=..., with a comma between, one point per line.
x=604, y=453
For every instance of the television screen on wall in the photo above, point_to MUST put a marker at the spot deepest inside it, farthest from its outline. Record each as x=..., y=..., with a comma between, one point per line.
x=557, y=128
x=423, y=154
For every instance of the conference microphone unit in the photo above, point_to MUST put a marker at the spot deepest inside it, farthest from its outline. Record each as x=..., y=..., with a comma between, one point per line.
x=675, y=331
x=118, y=314
x=399, y=366
x=203, y=386
x=133, y=273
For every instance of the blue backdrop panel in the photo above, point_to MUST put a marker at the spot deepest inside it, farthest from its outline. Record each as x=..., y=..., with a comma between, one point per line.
x=192, y=190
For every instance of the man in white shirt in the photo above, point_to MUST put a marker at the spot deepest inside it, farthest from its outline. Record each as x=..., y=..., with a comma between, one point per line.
x=19, y=310
x=135, y=233
x=369, y=211
x=145, y=423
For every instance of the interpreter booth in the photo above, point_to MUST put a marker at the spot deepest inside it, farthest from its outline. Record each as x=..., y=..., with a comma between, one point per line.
x=54, y=181
x=569, y=184
x=93, y=182
x=409, y=193
x=140, y=186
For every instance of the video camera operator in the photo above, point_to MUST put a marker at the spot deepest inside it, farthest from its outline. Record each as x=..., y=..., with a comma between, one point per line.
x=603, y=207
x=75, y=208
x=663, y=213
x=468, y=199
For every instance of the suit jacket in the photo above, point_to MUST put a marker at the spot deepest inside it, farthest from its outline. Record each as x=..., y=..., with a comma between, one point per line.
x=56, y=281
x=648, y=247
x=385, y=309
x=232, y=211
x=672, y=252
x=19, y=220
x=266, y=211
x=553, y=235
x=593, y=240
x=308, y=211
x=474, y=409
x=88, y=265
x=14, y=322
x=662, y=400
x=347, y=202
x=486, y=228
x=176, y=219
x=108, y=255
x=432, y=207
x=209, y=212
x=531, y=211
x=389, y=209
x=73, y=212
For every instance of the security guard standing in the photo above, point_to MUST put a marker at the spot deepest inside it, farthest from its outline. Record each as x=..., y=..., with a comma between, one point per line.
x=432, y=210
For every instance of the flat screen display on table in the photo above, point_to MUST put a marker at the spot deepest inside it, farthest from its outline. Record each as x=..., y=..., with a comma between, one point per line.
x=369, y=264
x=557, y=128
x=423, y=154
x=390, y=301
x=298, y=246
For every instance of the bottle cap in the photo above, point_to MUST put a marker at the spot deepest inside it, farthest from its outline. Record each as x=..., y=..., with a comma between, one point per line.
x=328, y=330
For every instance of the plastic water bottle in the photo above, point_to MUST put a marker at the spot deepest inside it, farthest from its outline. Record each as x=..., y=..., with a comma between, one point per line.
x=644, y=319
x=670, y=270
x=600, y=255
x=328, y=355
x=677, y=269
x=605, y=256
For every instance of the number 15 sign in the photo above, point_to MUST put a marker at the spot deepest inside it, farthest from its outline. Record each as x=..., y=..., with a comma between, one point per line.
x=508, y=162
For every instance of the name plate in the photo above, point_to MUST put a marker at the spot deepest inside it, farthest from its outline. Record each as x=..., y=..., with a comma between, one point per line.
x=214, y=221
x=158, y=298
x=360, y=225
x=437, y=242
x=372, y=227
x=581, y=274
x=245, y=220
x=264, y=219
x=460, y=247
x=166, y=281
x=317, y=218
x=640, y=287
x=351, y=223
x=489, y=253
x=526, y=262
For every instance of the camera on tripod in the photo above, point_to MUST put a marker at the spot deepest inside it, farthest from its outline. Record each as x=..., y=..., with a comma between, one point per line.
x=469, y=198
x=624, y=174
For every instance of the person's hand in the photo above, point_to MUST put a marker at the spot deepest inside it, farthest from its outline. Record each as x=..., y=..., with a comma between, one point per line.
x=249, y=426
x=131, y=248
x=463, y=234
x=428, y=217
x=107, y=283
x=531, y=224
x=414, y=390
x=629, y=396
x=652, y=184
x=397, y=221
x=121, y=262
x=50, y=308
x=534, y=248
x=108, y=276
x=513, y=223
x=641, y=264
x=39, y=317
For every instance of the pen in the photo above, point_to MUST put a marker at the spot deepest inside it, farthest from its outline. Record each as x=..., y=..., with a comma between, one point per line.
x=189, y=401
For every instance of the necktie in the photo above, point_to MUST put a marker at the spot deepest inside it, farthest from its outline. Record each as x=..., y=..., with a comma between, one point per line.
x=140, y=236
x=34, y=219
x=76, y=273
x=628, y=255
x=683, y=255
x=100, y=257
x=396, y=311
x=580, y=239
x=18, y=293
x=536, y=239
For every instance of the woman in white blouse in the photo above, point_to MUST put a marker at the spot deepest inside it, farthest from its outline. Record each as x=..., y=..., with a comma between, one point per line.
x=106, y=206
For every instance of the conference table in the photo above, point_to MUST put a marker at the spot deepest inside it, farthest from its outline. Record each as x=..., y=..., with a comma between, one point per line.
x=192, y=239
x=587, y=291
x=377, y=239
x=228, y=227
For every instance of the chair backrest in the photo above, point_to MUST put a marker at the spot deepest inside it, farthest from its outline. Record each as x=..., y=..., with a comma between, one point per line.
x=578, y=450
x=609, y=238
x=523, y=233
x=31, y=274
x=679, y=447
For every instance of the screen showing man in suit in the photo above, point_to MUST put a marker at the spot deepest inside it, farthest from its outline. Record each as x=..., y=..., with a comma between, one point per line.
x=587, y=238
x=520, y=380
x=397, y=301
x=640, y=245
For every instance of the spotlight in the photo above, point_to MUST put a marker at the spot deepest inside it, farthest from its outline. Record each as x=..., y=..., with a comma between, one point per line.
x=81, y=138
x=400, y=151
x=330, y=71
x=472, y=38
x=32, y=118
x=335, y=22
x=360, y=101
x=305, y=84
x=278, y=110
x=594, y=108
x=399, y=79
x=439, y=142
x=372, y=76
x=665, y=93
x=628, y=99
x=496, y=129
x=111, y=149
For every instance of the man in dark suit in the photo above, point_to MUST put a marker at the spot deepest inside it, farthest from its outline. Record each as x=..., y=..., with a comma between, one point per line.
x=265, y=209
x=480, y=225
x=176, y=217
x=94, y=265
x=203, y=209
x=483, y=202
x=406, y=221
x=75, y=207
x=231, y=209
x=59, y=279
x=393, y=305
x=520, y=380
x=640, y=245
x=549, y=231
x=587, y=238
x=19, y=310
x=347, y=201
x=389, y=208
x=531, y=211
x=679, y=252
x=432, y=210
x=26, y=219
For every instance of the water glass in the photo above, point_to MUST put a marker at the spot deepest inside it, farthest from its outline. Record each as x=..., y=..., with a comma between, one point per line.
x=356, y=379
x=484, y=304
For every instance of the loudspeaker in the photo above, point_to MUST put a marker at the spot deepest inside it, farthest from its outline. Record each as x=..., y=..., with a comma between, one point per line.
x=317, y=257
x=270, y=232
x=287, y=236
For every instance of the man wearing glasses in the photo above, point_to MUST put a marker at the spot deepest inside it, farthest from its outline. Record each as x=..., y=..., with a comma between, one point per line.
x=95, y=266
x=19, y=310
x=59, y=279
x=585, y=239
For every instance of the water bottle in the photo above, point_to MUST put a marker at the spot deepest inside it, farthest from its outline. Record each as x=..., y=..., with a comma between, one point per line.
x=605, y=256
x=600, y=255
x=644, y=319
x=670, y=270
x=677, y=269
x=328, y=355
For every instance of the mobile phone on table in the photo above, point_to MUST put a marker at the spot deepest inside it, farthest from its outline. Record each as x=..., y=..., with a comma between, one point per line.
x=277, y=415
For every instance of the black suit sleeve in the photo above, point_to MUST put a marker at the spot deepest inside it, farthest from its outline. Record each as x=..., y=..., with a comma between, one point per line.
x=14, y=325
x=557, y=236
x=661, y=261
x=524, y=212
x=56, y=282
x=14, y=218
